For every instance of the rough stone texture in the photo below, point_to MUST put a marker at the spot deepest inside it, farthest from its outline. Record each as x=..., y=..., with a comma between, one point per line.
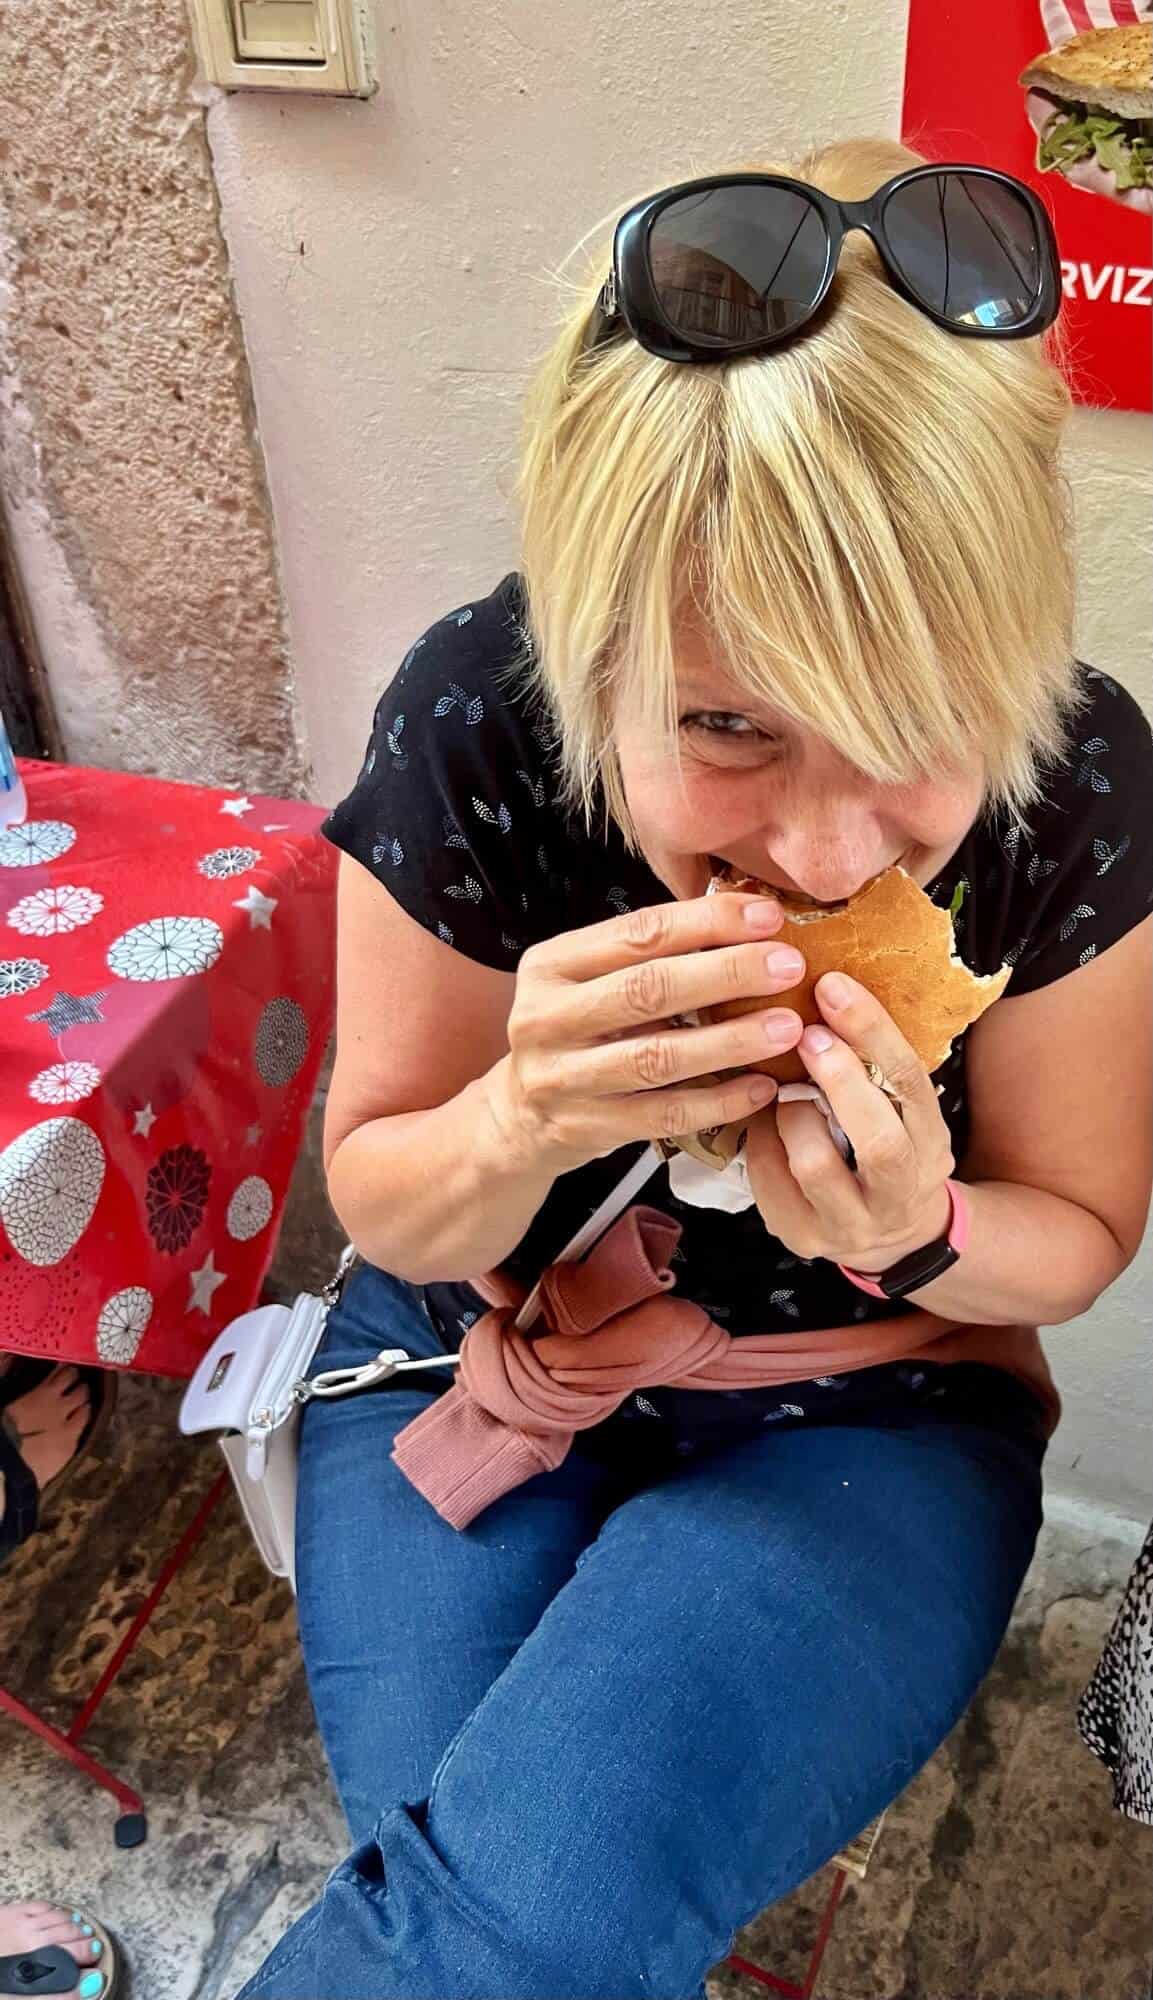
x=129, y=464
x=1001, y=1874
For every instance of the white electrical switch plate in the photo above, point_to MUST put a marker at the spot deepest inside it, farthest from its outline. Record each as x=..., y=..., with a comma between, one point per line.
x=316, y=45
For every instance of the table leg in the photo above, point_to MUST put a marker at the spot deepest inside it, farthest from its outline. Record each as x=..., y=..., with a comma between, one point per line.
x=131, y=1825
x=789, y=1987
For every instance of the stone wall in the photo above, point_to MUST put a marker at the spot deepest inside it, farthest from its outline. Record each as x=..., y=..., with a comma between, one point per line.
x=130, y=470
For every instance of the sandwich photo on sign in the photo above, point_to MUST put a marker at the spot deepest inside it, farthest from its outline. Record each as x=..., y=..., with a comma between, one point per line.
x=1090, y=102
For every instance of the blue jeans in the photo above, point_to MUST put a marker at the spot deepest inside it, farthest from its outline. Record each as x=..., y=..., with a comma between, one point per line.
x=584, y=1741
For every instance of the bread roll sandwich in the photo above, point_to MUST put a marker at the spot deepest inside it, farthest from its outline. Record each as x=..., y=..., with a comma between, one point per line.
x=896, y=942
x=1090, y=102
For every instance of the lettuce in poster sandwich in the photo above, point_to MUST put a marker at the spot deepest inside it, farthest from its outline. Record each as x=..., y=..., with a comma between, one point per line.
x=1084, y=132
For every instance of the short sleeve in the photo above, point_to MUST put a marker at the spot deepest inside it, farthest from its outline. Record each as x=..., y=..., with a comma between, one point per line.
x=1083, y=876
x=451, y=811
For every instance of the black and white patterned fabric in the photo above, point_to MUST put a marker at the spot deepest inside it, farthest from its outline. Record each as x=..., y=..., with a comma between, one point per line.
x=1115, y=1714
x=455, y=812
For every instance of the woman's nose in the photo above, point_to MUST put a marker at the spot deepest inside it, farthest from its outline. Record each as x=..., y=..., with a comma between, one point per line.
x=830, y=869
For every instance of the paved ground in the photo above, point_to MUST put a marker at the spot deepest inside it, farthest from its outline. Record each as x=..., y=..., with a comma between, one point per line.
x=1003, y=1873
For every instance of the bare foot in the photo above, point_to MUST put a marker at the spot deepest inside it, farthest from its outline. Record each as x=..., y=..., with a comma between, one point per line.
x=31, y=1927
x=48, y=1423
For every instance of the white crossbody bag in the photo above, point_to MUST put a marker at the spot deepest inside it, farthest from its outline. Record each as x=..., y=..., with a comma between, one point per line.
x=253, y=1382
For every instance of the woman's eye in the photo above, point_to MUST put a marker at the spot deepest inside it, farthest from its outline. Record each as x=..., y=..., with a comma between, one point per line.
x=720, y=722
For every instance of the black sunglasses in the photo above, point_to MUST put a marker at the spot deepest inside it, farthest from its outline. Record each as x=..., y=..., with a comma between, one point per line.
x=735, y=264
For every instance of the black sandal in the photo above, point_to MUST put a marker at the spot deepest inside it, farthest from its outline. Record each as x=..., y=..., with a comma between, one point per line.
x=24, y=1502
x=51, y=1969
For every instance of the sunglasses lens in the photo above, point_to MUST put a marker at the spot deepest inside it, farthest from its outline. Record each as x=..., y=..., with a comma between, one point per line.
x=736, y=263
x=968, y=247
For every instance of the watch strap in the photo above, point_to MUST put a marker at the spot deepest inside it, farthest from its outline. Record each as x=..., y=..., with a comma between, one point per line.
x=921, y=1266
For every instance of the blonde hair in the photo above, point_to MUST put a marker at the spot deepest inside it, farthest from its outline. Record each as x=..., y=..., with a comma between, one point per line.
x=870, y=520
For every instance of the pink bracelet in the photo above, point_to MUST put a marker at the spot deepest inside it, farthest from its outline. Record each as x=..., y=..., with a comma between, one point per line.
x=956, y=1236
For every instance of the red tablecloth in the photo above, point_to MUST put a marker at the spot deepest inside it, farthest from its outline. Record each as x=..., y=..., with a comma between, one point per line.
x=166, y=995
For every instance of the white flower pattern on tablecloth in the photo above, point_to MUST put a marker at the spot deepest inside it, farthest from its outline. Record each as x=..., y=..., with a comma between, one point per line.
x=37, y=841
x=21, y=975
x=224, y=862
x=65, y=1083
x=48, y=912
x=250, y=1209
x=122, y=1324
x=50, y=1182
x=281, y=1041
x=166, y=948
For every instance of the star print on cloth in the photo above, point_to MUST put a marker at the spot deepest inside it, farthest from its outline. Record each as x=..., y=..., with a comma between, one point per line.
x=72, y=1010
x=202, y=1284
x=258, y=907
x=237, y=808
x=143, y=1122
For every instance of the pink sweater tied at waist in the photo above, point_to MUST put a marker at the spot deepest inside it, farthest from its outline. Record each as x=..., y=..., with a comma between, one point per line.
x=611, y=1327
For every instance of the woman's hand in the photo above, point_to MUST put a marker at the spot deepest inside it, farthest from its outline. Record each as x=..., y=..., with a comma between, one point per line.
x=596, y=1059
x=896, y=1201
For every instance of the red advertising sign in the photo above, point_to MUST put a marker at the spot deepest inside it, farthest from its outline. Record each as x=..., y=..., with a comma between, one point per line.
x=964, y=101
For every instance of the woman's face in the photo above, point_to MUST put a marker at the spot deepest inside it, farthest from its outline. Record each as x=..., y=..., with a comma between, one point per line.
x=775, y=800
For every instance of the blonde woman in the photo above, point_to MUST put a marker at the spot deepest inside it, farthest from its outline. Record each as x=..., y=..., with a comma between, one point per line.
x=796, y=595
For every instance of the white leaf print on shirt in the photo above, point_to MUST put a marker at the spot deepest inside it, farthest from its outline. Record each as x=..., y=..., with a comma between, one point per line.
x=444, y=934
x=501, y=817
x=387, y=849
x=392, y=738
x=453, y=837
x=783, y=1301
x=535, y=785
x=410, y=656
x=1102, y=680
x=469, y=891
x=1011, y=844
x=457, y=698
x=1074, y=918
x=1089, y=952
x=1105, y=856
x=642, y=1403
x=1095, y=747
x=1038, y=870
x=619, y=901
x=510, y=943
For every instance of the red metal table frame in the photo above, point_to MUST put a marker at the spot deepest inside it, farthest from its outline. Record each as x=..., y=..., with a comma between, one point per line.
x=807, y=1986
x=132, y=1822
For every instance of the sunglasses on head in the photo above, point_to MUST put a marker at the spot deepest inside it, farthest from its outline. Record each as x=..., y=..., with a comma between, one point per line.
x=737, y=263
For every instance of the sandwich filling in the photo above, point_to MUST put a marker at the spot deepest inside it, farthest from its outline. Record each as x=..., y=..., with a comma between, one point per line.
x=1073, y=133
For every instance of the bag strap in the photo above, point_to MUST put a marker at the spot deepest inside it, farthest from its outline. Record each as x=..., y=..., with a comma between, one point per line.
x=614, y=1204
x=338, y=1382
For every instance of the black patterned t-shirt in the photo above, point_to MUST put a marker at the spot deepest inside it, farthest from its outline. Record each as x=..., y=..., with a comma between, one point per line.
x=455, y=812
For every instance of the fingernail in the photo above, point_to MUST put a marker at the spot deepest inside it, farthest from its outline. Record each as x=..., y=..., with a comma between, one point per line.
x=77, y=1917
x=761, y=1091
x=817, y=1040
x=781, y=1026
x=86, y=1928
x=784, y=963
x=836, y=990
x=761, y=912
x=91, y=1986
x=96, y=1947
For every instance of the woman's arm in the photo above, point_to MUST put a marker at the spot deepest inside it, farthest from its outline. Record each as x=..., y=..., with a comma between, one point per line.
x=435, y=1191
x=1059, y=1167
